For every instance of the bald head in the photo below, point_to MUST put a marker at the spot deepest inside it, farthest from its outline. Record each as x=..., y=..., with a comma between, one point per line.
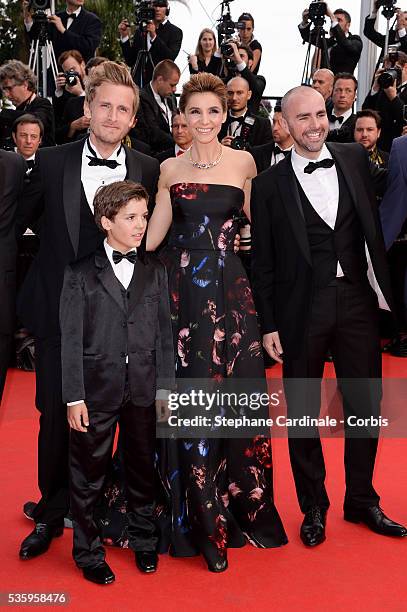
x=323, y=81
x=304, y=112
x=239, y=94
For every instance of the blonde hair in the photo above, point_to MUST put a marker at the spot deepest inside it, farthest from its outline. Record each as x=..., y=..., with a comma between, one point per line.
x=114, y=73
x=203, y=82
x=198, y=50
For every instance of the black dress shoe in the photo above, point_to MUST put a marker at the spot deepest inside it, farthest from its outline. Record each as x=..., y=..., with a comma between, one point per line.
x=146, y=561
x=218, y=567
x=38, y=541
x=376, y=520
x=101, y=574
x=28, y=509
x=312, y=530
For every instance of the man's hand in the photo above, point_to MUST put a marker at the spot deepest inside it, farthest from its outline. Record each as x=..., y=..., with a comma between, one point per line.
x=236, y=57
x=124, y=28
x=404, y=132
x=391, y=92
x=60, y=81
x=227, y=141
x=305, y=16
x=376, y=86
x=271, y=343
x=75, y=90
x=152, y=29
x=78, y=417
x=78, y=125
x=162, y=411
x=57, y=21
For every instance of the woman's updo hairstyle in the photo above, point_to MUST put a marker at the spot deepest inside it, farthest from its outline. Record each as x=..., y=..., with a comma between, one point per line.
x=203, y=82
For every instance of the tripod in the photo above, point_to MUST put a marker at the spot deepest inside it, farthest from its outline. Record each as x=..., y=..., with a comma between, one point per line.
x=318, y=39
x=140, y=71
x=42, y=56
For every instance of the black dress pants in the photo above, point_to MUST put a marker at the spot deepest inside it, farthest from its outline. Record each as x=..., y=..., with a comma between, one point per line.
x=343, y=319
x=6, y=341
x=90, y=456
x=53, y=437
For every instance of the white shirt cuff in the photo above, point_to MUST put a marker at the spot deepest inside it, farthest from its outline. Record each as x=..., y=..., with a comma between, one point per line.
x=334, y=23
x=402, y=32
x=162, y=394
x=74, y=403
x=241, y=66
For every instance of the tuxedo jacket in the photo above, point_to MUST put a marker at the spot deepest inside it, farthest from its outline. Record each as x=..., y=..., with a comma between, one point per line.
x=165, y=46
x=41, y=108
x=282, y=274
x=378, y=39
x=260, y=132
x=98, y=330
x=262, y=155
x=391, y=112
x=54, y=195
x=73, y=110
x=393, y=208
x=84, y=34
x=345, y=133
x=152, y=126
x=344, y=51
x=12, y=175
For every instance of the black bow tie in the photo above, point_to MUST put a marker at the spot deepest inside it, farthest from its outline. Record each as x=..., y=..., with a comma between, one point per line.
x=333, y=118
x=97, y=161
x=71, y=15
x=277, y=151
x=131, y=256
x=324, y=163
x=30, y=163
x=239, y=120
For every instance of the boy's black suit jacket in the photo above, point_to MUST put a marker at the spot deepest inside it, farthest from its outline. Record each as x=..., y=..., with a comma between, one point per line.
x=98, y=331
x=281, y=258
x=54, y=196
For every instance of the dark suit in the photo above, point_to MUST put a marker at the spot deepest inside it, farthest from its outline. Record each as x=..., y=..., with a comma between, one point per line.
x=101, y=324
x=165, y=46
x=73, y=110
x=84, y=34
x=344, y=51
x=67, y=233
x=393, y=208
x=295, y=254
x=345, y=133
x=12, y=174
x=379, y=39
x=41, y=108
x=260, y=132
x=152, y=126
x=263, y=155
x=391, y=112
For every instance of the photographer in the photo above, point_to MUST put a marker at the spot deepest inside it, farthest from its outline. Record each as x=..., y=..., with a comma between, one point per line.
x=73, y=28
x=18, y=83
x=367, y=133
x=161, y=38
x=397, y=34
x=246, y=37
x=344, y=48
x=388, y=96
x=241, y=129
x=70, y=83
x=237, y=62
x=342, y=119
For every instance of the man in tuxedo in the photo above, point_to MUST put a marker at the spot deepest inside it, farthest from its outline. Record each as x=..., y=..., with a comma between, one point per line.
x=68, y=233
x=27, y=134
x=236, y=126
x=160, y=38
x=271, y=153
x=157, y=103
x=12, y=174
x=73, y=28
x=312, y=215
x=397, y=34
x=344, y=48
x=182, y=137
x=19, y=84
x=342, y=119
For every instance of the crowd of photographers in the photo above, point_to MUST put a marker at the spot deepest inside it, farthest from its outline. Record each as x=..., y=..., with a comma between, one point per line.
x=151, y=46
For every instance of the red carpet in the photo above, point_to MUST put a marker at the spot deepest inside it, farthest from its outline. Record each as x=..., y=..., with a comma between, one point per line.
x=353, y=569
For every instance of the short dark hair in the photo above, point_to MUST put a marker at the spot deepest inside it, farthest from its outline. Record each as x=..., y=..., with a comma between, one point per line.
x=72, y=53
x=347, y=76
x=401, y=58
x=28, y=118
x=247, y=49
x=368, y=112
x=165, y=69
x=246, y=17
x=340, y=11
x=109, y=199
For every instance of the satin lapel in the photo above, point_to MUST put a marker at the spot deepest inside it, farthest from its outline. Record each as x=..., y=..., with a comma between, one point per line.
x=292, y=204
x=348, y=171
x=134, y=172
x=137, y=285
x=72, y=192
x=108, y=279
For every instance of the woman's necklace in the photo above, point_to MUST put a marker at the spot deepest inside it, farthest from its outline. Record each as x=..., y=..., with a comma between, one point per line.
x=203, y=165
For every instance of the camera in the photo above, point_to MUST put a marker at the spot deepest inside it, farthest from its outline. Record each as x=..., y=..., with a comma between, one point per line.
x=40, y=5
x=226, y=48
x=393, y=74
x=71, y=77
x=388, y=7
x=316, y=12
x=143, y=13
x=241, y=142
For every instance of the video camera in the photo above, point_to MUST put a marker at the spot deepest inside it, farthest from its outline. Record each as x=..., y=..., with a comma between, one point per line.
x=393, y=74
x=144, y=13
x=41, y=6
x=241, y=142
x=317, y=12
x=226, y=29
x=388, y=7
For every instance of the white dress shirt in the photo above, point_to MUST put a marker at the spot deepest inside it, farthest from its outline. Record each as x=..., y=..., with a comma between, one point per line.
x=166, y=111
x=280, y=156
x=321, y=188
x=123, y=270
x=29, y=24
x=335, y=125
x=94, y=177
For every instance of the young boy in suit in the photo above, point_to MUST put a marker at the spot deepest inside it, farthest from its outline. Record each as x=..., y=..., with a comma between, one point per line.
x=116, y=344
